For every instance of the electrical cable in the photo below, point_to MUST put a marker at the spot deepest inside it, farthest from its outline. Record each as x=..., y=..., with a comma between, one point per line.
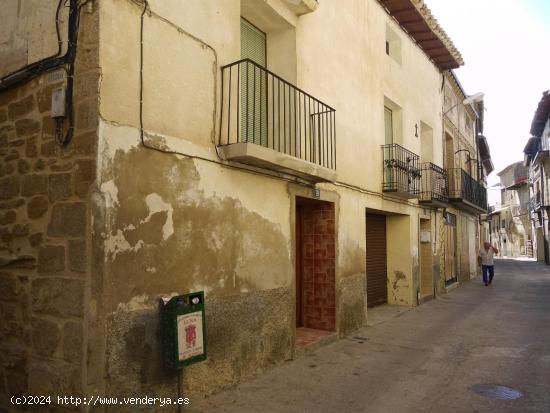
x=34, y=69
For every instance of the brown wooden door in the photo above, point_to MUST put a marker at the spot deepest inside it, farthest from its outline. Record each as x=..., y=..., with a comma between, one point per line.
x=377, y=290
x=299, y=264
x=450, y=250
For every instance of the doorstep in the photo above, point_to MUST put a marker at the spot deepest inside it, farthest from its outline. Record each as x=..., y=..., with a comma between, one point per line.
x=309, y=340
x=451, y=287
x=382, y=313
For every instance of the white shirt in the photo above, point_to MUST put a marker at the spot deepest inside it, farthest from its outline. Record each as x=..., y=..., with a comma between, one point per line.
x=487, y=256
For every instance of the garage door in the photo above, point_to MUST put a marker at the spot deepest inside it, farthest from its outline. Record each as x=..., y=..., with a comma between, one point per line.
x=377, y=290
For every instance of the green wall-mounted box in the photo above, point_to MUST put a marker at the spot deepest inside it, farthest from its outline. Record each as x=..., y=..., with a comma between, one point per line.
x=183, y=329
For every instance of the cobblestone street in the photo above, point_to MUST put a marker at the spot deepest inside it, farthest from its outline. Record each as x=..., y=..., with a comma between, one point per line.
x=429, y=359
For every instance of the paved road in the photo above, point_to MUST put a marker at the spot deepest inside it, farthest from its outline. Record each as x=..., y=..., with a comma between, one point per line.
x=424, y=360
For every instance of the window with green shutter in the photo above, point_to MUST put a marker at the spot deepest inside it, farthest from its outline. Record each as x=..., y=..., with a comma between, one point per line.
x=253, y=85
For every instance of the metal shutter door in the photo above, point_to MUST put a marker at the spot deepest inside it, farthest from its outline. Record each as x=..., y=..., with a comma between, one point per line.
x=377, y=289
x=253, y=85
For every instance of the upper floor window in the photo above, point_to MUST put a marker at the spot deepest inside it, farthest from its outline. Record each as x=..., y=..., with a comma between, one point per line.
x=393, y=44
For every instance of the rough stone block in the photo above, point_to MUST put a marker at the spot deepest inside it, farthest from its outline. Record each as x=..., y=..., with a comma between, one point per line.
x=39, y=165
x=60, y=186
x=36, y=239
x=48, y=127
x=63, y=167
x=58, y=297
x=3, y=115
x=20, y=261
x=13, y=155
x=9, y=187
x=8, y=96
x=51, y=258
x=34, y=184
x=84, y=144
x=68, y=220
x=20, y=230
x=23, y=166
x=8, y=286
x=16, y=203
x=46, y=336
x=8, y=217
x=37, y=207
x=77, y=255
x=49, y=149
x=73, y=342
x=31, y=149
x=21, y=108
x=16, y=377
x=26, y=127
x=54, y=377
x=6, y=168
x=84, y=176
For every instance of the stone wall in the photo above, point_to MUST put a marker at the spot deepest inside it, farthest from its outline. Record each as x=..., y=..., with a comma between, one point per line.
x=44, y=236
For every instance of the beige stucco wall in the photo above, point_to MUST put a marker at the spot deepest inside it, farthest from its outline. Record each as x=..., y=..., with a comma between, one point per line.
x=28, y=33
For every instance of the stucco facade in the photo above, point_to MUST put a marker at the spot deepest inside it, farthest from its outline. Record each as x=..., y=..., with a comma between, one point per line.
x=162, y=206
x=510, y=219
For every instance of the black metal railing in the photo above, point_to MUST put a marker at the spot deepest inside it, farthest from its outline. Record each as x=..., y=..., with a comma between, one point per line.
x=435, y=183
x=465, y=188
x=536, y=202
x=262, y=108
x=401, y=170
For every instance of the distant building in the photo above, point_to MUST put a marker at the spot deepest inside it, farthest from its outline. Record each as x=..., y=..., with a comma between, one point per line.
x=509, y=223
x=536, y=158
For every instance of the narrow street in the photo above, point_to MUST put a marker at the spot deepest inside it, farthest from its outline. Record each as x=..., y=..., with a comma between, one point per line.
x=425, y=360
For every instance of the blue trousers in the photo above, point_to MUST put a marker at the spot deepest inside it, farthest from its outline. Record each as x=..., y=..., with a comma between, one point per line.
x=488, y=272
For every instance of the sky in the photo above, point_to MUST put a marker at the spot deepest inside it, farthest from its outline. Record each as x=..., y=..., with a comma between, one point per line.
x=505, y=46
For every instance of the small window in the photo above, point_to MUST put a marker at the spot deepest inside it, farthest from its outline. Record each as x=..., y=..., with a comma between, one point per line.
x=393, y=44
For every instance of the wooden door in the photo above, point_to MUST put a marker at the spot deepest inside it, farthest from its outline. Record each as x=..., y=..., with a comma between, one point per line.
x=450, y=251
x=377, y=289
x=299, y=268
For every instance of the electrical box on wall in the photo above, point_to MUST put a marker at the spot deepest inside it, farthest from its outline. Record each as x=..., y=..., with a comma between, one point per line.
x=58, y=102
x=183, y=330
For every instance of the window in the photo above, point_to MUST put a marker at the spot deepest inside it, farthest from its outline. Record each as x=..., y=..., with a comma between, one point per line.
x=388, y=126
x=253, y=121
x=426, y=142
x=393, y=44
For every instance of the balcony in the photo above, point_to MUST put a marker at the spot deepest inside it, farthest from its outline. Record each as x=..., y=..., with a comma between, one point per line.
x=401, y=172
x=537, y=202
x=435, y=185
x=466, y=192
x=269, y=123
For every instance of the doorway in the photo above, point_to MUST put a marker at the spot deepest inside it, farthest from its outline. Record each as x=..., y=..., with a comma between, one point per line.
x=450, y=249
x=315, y=265
x=376, y=257
x=426, y=260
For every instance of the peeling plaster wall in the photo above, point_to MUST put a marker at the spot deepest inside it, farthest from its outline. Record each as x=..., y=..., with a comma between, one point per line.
x=165, y=223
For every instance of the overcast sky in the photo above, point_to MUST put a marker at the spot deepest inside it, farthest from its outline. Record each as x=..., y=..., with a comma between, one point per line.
x=506, y=48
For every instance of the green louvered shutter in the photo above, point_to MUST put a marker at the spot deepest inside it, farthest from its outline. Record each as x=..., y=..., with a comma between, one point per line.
x=253, y=85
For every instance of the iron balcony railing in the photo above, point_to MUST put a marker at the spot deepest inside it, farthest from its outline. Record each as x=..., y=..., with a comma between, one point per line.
x=262, y=108
x=465, y=188
x=537, y=202
x=435, y=183
x=401, y=170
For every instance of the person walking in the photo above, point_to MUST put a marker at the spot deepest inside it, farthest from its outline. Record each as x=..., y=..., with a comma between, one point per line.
x=485, y=259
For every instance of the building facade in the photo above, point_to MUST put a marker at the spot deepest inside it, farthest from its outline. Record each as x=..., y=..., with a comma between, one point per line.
x=467, y=162
x=510, y=221
x=536, y=159
x=298, y=162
